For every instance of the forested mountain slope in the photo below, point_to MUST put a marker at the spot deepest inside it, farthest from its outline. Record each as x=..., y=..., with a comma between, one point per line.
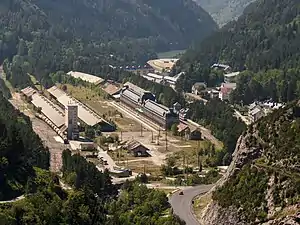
x=262, y=184
x=52, y=35
x=265, y=37
x=224, y=11
x=20, y=150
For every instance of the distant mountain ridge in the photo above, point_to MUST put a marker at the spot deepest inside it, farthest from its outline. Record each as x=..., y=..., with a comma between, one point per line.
x=224, y=11
x=84, y=35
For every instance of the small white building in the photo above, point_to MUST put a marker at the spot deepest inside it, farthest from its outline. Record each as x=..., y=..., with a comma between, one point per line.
x=231, y=77
x=256, y=113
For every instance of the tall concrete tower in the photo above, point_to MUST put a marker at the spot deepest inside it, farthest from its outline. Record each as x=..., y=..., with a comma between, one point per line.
x=71, y=121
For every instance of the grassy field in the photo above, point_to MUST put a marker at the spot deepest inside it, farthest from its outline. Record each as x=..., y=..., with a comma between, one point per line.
x=124, y=155
x=189, y=154
x=170, y=54
x=94, y=99
x=200, y=203
x=141, y=166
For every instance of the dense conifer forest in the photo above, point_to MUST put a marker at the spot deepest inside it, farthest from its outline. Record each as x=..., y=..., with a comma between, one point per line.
x=264, y=41
x=21, y=150
x=39, y=37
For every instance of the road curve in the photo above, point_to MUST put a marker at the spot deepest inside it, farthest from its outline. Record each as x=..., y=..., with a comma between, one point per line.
x=182, y=204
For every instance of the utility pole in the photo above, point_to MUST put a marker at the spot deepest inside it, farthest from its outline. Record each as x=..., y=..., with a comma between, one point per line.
x=186, y=174
x=121, y=135
x=158, y=136
x=141, y=130
x=151, y=136
x=183, y=165
x=118, y=152
x=166, y=141
x=198, y=155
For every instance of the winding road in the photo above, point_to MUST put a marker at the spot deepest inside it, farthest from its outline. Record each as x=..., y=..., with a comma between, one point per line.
x=182, y=204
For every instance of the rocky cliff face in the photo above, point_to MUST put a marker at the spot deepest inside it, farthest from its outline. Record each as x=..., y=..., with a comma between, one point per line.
x=214, y=213
x=260, y=150
x=224, y=11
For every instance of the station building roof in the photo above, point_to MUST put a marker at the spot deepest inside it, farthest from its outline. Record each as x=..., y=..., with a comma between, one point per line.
x=49, y=109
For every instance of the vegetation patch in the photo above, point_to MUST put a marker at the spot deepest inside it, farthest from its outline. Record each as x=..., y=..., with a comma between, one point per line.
x=247, y=192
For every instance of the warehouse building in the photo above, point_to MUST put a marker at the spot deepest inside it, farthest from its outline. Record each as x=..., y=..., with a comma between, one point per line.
x=160, y=114
x=137, y=149
x=143, y=94
x=135, y=96
x=27, y=93
x=130, y=98
x=86, y=77
x=144, y=102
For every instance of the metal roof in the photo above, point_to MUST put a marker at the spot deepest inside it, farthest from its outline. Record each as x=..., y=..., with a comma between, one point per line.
x=131, y=95
x=175, y=78
x=131, y=145
x=111, y=89
x=28, y=91
x=234, y=74
x=135, y=88
x=157, y=108
x=229, y=85
x=255, y=111
x=154, y=75
x=49, y=109
x=86, y=77
x=56, y=92
x=84, y=113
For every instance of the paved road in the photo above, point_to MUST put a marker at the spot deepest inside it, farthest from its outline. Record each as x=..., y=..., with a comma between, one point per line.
x=182, y=204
